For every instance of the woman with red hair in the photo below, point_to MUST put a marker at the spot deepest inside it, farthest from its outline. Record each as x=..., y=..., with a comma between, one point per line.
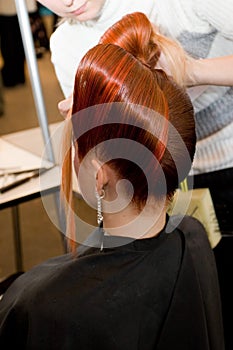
x=142, y=279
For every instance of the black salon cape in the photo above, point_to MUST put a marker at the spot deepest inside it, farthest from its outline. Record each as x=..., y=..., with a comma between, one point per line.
x=156, y=293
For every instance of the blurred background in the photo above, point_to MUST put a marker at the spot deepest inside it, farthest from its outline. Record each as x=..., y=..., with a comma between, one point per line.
x=40, y=238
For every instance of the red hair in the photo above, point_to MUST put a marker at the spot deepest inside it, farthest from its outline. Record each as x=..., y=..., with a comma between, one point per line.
x=137, y=35
x=117, y=95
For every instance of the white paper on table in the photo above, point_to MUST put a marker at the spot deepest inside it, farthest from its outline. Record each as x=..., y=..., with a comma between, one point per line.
x=13, y=159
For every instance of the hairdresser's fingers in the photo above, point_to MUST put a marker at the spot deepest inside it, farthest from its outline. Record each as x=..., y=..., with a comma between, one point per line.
x=65, y=105
x=163, y=64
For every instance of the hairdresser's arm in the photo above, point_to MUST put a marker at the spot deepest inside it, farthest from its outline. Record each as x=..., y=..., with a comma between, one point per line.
x=211, y=71
x=65, y=105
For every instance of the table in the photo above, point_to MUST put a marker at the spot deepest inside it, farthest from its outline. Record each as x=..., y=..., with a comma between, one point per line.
x=31, y=140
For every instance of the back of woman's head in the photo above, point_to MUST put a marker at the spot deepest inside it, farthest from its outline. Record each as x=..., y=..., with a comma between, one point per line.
x=147, y=117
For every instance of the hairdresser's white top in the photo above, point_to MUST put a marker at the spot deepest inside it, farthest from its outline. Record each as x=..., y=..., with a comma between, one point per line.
x=204, y=31
x=71, y=41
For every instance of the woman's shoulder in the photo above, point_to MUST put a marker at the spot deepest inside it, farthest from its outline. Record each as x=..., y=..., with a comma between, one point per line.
x=37, y=279
x=192, y=232
x=196, y=293
x=197, y=251
x=187, y=224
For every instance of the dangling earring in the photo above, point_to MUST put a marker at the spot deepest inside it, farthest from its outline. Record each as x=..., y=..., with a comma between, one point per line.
x=99, y=206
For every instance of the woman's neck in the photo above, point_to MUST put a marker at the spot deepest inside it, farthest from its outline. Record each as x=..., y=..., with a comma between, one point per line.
x=131, y=222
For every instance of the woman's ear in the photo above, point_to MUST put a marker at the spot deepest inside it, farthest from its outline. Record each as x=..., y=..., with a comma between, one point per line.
x=101, y=175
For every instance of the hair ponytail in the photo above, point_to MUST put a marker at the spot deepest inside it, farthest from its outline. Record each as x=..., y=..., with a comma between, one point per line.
x=134, y=33
x=137, y=35
x=172, y=57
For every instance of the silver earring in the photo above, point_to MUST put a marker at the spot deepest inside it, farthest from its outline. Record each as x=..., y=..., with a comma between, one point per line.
x=99, y=206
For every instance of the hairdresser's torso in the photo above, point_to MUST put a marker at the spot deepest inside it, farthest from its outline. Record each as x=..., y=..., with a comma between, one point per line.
x=205, y=32
x=202, y=30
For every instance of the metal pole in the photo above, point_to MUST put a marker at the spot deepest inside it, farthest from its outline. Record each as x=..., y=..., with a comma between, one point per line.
x=30, y=54
x=29, y=49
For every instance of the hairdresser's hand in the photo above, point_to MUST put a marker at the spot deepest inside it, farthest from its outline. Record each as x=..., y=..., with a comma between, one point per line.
x=64, y=106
